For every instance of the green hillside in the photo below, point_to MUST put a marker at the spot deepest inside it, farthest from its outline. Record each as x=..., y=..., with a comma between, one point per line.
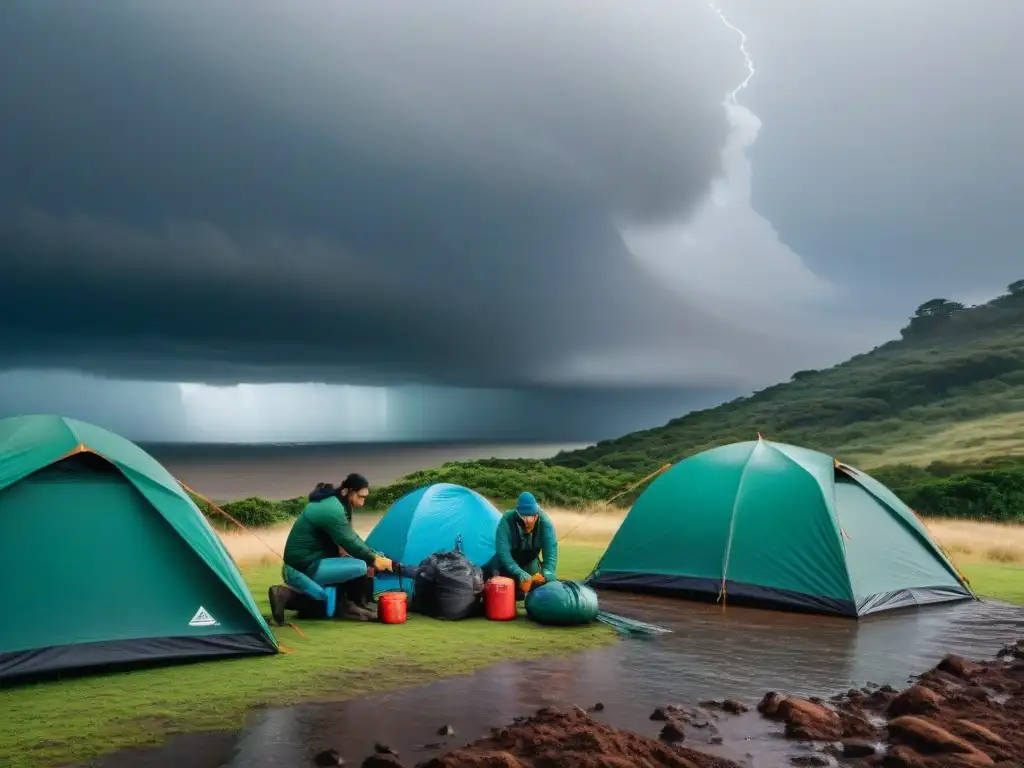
x=952, y=389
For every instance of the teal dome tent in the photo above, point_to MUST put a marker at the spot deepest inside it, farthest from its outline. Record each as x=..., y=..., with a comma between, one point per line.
x=777, y=526
x=109, y=560
x=435, y=518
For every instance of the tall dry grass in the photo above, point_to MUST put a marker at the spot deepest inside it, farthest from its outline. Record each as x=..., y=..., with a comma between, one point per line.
x=973, y=542
x=966, y=542
x=262, y=547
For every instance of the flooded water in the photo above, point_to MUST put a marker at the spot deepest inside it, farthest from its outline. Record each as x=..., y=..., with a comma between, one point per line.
x=711, y=654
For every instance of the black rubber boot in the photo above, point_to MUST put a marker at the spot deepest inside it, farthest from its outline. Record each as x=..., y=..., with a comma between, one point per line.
x=282, y=598
x=349, y=611
x=360, y=593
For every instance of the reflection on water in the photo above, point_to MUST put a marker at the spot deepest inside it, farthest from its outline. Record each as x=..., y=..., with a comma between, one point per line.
x=712, y=653
x=743, y=652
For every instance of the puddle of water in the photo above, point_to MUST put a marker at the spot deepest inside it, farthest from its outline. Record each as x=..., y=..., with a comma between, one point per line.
x=711, y=654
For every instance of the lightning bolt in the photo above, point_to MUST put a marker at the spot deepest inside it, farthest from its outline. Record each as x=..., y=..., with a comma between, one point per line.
x=733, y=96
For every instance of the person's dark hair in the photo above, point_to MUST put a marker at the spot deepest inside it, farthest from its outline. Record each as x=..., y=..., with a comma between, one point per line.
x=354, y=483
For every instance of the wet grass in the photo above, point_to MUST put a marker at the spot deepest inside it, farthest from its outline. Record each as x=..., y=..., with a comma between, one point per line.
x=998, y=582
x=71, y=721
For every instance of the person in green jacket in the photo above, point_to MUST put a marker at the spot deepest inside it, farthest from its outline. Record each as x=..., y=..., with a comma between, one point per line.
x=525, y=547
x=324, y=546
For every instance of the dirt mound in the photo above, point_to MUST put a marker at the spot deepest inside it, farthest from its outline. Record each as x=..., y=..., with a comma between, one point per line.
x=960, y=713
x=559, y=738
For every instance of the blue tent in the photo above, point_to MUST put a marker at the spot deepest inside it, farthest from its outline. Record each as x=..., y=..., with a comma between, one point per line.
x=432, y=519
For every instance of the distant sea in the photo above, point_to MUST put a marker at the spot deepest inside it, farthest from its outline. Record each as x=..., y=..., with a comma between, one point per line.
x=283, y=471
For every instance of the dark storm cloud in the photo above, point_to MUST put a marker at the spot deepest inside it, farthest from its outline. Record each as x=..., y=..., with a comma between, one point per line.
x=375, y=192
x=891, y=155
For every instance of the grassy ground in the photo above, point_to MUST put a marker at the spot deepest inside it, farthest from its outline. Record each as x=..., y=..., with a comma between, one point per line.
x=58, y=723
x=999, y=582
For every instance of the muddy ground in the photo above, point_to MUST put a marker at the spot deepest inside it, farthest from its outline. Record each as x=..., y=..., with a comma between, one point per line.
x=960, y=714
x=561, y=738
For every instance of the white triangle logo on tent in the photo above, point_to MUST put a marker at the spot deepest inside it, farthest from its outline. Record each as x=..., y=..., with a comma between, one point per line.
x=203, y=619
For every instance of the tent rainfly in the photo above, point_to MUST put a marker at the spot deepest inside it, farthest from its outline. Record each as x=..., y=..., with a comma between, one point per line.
x=772, y=525
x=112, y=562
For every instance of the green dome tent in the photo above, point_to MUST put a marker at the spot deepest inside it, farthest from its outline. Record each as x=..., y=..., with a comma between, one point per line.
x=109, y=562
x=777, y=526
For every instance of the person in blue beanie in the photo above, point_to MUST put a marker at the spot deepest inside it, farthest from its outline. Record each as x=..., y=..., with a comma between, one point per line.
x=525, y=547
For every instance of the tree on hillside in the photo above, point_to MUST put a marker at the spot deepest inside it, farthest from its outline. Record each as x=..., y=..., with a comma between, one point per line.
x=931, y=316
x=1016, y=288
x=939, y=308
x=801, y=375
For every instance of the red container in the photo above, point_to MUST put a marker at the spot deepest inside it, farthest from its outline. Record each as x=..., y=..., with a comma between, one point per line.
x=500, y=599
x=391, y=607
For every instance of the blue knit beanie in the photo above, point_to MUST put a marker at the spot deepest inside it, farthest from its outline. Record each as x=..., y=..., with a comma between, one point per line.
x=527, y=505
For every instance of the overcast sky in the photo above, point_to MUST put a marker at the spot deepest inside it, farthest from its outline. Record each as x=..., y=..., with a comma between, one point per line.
x=526, y=197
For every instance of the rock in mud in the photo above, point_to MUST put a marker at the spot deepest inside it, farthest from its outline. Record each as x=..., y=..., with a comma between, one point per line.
x=668, y=712
x=927, y=737
x=384, y=749
x=572, y=739
x=1015, y=650
x=445, y=730
x=328, y=757
x=856, y=725
x=804, y=719
x=734, y=707
x=811, y=722
x=730, y=706
x=769, y=705
x=672, y=732
x=598, y=707
x=960, y=667
x=916, y=700
x=979, y=733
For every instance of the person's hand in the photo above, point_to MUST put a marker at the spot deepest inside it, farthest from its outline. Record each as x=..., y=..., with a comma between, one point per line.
x=538, y=578
x=381, y=563
x=525, y=586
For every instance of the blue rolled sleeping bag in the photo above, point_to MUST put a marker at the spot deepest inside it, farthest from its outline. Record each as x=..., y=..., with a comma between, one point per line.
x=562, y=603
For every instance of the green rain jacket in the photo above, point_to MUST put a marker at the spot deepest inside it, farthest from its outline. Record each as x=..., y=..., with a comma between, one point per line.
x=519, y=553
x=317, y=533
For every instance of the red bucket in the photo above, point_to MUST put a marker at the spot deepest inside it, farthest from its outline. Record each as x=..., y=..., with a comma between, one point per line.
x=500, y=599
x=392, y=607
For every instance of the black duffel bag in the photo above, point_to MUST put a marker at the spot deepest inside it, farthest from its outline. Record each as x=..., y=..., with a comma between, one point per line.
x=448, y=586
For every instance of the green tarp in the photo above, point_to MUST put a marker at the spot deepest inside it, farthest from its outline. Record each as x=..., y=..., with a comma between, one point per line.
x=777, y=526
x=109, y=561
